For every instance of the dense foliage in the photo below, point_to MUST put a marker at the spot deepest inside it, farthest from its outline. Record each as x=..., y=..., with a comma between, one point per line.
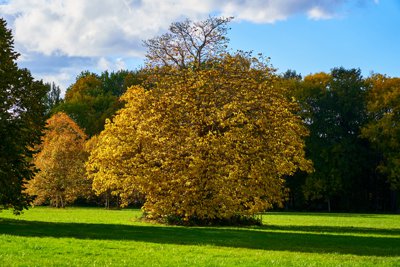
x=334, y=109
x=383, y=129
x=61, y=162
x=203, y=144
x=341, y=109
x=22, y=110
x=94, y=98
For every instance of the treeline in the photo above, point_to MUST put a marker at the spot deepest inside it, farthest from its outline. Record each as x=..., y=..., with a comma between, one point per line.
x=353, y=141
x=71, y=130
x=202, y=135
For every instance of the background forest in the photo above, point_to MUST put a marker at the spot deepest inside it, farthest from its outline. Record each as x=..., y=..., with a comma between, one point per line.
x=347, y=125
x=353, y=138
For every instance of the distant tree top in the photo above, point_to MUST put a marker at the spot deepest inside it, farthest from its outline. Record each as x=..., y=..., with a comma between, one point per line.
x=189, y=43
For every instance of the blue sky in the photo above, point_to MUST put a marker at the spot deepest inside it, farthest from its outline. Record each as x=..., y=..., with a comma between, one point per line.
x=60, y=38
x=365, y=37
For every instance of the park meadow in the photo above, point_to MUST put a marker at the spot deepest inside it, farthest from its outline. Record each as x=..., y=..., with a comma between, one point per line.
x=44, y=236
x=212, y=145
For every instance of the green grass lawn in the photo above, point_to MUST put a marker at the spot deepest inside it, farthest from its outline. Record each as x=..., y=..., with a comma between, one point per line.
x=96, y=237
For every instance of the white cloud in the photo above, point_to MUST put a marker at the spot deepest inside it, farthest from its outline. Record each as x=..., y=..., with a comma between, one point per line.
x=116, y=28
x=270, y=11
x=108, y=32
x=317, y=13
x=93, y=27
x=63, y=70
x=120, y=64
x=104, y=64
x=61, y=78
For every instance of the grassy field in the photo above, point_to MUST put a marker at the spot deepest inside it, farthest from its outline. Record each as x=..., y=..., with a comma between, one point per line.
x=97, y=237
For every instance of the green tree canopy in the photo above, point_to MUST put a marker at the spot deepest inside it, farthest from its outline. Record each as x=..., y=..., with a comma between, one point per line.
x=333, y=107
x=53, y=98
x=383, y=129
x=22, y=111
x=94, y=98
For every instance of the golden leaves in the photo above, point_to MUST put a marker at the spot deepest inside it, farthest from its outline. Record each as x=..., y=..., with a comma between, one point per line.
x=61, y=163
x=209, y=143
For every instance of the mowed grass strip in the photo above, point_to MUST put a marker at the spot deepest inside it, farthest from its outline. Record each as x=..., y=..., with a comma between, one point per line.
x=96, y=237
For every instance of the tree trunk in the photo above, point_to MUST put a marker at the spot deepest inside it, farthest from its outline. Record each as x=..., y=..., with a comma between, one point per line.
x=62, y=202
x=393, y=201
x=329, y=204
x=107, y=203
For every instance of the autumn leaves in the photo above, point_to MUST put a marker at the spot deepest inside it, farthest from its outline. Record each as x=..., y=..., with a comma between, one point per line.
x=61, y=179
x=202, y=144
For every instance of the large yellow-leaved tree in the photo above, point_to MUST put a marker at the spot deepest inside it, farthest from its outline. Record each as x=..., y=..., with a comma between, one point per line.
x=205, y=144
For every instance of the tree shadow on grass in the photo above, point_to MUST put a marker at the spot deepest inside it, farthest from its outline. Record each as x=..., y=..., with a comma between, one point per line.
x=328, y=214
x=336, y=229
x=265, y=238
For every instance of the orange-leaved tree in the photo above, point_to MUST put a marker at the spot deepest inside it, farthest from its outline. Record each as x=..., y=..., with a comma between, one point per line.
x=203, y=144
x=61, y=178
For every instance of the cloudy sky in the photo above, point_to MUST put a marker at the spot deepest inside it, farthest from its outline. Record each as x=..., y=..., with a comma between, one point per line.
x=58, y=39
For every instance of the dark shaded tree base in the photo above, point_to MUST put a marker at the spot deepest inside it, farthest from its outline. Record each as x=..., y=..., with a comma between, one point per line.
x=194, y=221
